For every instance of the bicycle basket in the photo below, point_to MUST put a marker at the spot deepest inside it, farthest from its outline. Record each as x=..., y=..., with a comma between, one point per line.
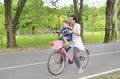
x=55, y=45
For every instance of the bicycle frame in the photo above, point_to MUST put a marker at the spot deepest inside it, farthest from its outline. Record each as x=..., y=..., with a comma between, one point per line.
x=69, y=56
x=58, y=57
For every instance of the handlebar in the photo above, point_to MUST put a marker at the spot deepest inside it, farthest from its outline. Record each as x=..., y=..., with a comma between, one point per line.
x=58, y=34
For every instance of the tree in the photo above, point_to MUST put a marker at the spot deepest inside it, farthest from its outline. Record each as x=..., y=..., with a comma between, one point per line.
x=118, y=14
x=2, y=35
x=2, y=28
x=10, y=22
x=93, y=13
x=109, y=15
x=114, y=21
x=78, y=8
x=35, y=16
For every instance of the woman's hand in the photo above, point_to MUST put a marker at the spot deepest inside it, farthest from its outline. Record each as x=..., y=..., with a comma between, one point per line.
x=70, y=31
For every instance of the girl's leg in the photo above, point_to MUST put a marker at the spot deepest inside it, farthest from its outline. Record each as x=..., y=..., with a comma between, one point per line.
x=65, y=39
x=61, y=59
x=75, y=51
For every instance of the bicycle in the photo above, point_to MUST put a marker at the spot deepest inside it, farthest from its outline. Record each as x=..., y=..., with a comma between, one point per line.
x=60, y=53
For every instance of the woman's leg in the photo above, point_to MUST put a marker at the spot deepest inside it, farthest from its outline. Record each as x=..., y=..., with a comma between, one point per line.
x=66, y=49
x=75, y=51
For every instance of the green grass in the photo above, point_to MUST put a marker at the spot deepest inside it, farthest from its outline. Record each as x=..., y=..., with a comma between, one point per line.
x=42, y=41
x=114, y=75
x=35, y=40
x=96, y=37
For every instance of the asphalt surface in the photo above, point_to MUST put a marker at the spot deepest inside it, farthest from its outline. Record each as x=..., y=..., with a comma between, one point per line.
x=32, y=64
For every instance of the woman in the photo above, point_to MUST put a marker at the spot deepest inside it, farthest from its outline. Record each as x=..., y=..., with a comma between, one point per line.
x=77, y=43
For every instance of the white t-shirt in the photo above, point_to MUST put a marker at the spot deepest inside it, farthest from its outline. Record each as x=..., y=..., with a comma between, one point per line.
x=76, y=40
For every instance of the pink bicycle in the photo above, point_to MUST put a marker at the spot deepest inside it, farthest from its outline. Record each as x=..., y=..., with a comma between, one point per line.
x=59, y=53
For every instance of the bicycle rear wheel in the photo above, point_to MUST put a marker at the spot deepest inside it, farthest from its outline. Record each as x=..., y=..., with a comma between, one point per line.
x=83, y=58
x=53, y=62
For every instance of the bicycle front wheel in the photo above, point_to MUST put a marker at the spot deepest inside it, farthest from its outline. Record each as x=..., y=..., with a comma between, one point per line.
x=83, y=58
x=53, y=61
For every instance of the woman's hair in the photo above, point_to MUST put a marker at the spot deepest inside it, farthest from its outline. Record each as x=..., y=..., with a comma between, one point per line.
x=65, y=21
x=74, y=18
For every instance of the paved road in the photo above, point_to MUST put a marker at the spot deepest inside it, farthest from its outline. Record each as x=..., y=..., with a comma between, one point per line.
x=32, y=65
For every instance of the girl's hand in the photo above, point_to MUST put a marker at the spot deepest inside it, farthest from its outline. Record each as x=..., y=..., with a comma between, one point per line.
x=58, y=31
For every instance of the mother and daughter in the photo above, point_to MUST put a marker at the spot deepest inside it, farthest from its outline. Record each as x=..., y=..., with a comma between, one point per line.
x=71, y=36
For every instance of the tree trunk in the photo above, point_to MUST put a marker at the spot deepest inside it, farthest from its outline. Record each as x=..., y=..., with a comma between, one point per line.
x=76, y=9
x=113, y=19
x=1, y=40
x=78, y=14
x=108, y=22
x=9, y=26
x=92, y=27
x=118, y=13
x=110, y=6
x=12, y=23
x=11, y=42
x=33, y=30
x=80, y=18
x=113, y=32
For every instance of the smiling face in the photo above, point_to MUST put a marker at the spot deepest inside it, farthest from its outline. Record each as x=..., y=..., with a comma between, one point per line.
x=72, y=21
x=64, y=24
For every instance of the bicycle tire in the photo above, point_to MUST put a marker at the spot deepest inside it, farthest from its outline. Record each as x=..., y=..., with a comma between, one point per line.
x=51, y=71
x=86, y=52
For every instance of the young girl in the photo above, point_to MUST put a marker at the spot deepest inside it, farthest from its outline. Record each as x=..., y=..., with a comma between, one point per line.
x=66, y=36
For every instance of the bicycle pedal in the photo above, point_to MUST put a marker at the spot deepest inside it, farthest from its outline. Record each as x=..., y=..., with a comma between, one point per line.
x=70, y=62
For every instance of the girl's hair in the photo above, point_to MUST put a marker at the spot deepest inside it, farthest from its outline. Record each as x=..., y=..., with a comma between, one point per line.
x=65, y=21
x=74, y=18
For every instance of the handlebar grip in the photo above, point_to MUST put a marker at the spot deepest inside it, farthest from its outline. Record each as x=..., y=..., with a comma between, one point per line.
x=56, y=32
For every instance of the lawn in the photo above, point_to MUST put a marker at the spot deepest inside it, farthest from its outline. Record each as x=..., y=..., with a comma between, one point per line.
x=42, y=40
x=25, y=41
x=95, y=38
x=114, y=75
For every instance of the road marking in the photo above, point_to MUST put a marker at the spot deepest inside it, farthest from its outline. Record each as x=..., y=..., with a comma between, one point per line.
x=32, y=64
x=5, y=68
x=102, y=73
x=112, y=52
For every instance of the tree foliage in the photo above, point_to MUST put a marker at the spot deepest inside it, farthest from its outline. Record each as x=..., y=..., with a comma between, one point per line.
x=36, y=16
